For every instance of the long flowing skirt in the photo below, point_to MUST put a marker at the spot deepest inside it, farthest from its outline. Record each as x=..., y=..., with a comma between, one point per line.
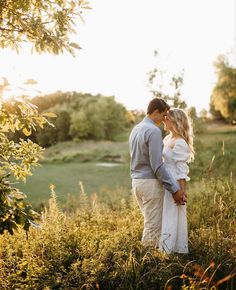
x=174, y=232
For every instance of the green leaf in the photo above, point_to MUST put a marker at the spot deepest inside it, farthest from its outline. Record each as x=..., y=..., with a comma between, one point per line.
x=27, y=131
x=74, y=45
x=50, y=115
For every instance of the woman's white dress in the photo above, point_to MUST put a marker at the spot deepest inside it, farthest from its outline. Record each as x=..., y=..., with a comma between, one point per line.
x=174, y=233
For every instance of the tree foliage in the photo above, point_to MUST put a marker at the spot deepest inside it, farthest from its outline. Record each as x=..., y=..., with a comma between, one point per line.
x=50, y=135
x=81, y=116
x=16, y=161
x=197, y=123
x=223, y=98
x=47, y=24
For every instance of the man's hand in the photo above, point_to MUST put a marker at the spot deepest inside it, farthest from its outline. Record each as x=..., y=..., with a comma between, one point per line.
x=179, y=197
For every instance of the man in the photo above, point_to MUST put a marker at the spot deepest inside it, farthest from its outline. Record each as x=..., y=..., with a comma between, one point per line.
x=148, y=172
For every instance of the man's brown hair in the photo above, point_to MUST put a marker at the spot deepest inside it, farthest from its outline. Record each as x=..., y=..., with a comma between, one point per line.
x=157, y=104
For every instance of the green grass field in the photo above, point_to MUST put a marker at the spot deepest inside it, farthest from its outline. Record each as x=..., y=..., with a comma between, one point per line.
x=66, y=178
x=100, y=166
x=93, y=241
x=68, y=163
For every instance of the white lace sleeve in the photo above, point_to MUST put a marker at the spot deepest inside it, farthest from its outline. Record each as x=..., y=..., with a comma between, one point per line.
x=181, y=153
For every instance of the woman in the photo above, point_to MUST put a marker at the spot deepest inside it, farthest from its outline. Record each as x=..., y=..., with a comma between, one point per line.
x=178, y=150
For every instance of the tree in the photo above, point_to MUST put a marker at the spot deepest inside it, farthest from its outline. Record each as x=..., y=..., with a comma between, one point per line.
x=17, y=160
x=133, y=117
x=159, y=82
x=88, y=116
x=223, y=98
x=98, y=117
x=203, y=114
x=113, y=116
x=47, y=24
x=50, y=135
x=198, y=125
x=80, y=125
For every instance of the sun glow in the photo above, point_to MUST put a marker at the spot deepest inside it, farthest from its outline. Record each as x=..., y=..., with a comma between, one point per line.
x=10, y=92
x=5, y=96
x=117, y=53
x=11, y=87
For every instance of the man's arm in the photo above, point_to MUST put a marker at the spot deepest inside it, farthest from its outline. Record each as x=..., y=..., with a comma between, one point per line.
x=171, y=185
x=158, y=167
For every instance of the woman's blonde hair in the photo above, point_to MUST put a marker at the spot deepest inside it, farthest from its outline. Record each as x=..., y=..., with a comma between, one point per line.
x=182, y=125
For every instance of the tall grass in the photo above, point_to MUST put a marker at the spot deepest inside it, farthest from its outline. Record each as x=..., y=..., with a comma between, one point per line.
x=97, y=246
x=92, y=241
x=215, y=156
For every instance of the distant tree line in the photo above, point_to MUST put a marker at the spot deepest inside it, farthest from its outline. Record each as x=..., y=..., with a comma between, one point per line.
x=80, y=116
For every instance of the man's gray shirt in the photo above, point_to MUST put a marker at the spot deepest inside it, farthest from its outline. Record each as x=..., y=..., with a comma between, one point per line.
x=146, y=147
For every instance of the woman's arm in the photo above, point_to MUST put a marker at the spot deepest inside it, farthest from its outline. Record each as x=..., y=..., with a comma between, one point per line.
x=181, y=156
x=182, y=183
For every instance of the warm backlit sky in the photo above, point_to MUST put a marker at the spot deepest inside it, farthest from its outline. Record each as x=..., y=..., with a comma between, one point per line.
x=118, y=40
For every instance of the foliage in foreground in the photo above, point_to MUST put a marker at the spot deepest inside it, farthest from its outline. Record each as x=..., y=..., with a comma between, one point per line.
x=97, y=247
x=47, y=25
x=17, y=160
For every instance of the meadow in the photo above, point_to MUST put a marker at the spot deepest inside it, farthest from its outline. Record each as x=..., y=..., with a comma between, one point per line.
x=101, y=166
x=104, y=165
x=88, y=236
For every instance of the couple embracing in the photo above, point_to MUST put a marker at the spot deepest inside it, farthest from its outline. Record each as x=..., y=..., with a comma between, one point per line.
x=159, y=173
